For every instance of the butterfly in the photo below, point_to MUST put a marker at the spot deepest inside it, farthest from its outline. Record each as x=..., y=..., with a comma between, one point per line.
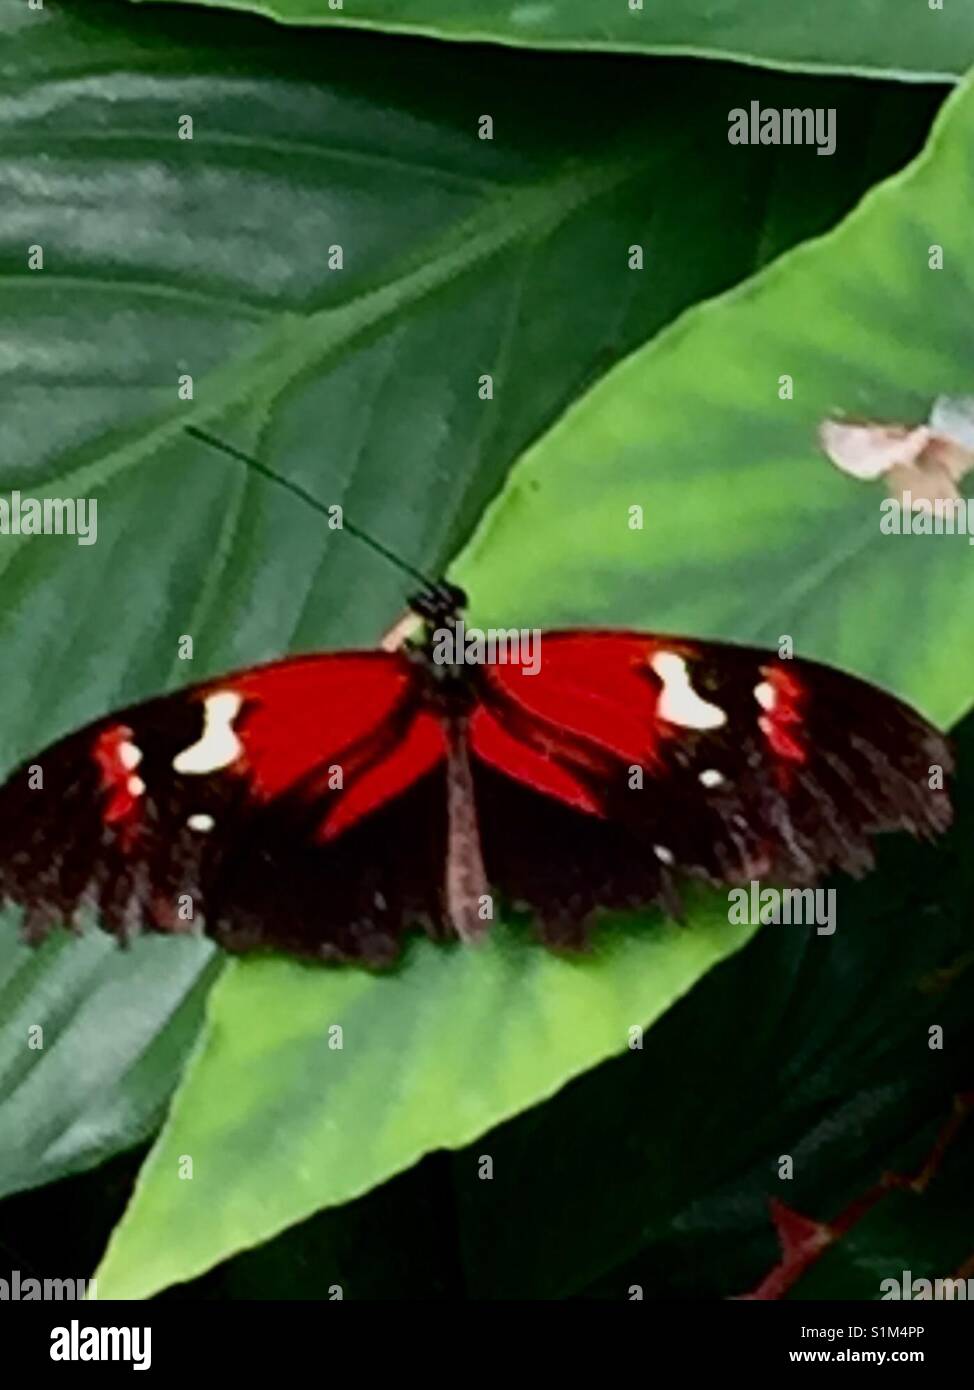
x=324, y=805
x=924, y=461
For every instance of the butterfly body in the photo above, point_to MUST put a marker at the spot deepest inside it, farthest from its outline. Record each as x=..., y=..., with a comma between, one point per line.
x=325, y=805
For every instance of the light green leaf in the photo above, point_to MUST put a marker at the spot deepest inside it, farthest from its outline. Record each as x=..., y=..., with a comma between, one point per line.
x=750, y=532
x=278, y=1123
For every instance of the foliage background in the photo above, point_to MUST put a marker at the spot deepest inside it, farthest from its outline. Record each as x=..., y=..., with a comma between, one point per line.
x=462, y=256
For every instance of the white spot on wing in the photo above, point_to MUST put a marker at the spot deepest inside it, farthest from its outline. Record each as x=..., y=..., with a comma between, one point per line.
x=129, y=755
x=679, y=703
x=710, y=777
x=664, y=855
x=766, y=695
x=135, y=786
x=217, y=746
x=201, y=821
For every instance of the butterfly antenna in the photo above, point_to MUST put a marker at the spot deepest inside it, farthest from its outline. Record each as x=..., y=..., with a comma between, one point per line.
x=298, y=491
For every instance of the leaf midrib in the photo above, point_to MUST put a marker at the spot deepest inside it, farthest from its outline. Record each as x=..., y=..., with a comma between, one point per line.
x=299, y=342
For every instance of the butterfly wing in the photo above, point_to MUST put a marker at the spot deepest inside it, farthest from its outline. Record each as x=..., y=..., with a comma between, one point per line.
x=245, y=801
x=868, y=451
x=636, y=759
x=302, y=805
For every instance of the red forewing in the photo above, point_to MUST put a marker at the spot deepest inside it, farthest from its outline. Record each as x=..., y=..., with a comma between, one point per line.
x=706, y=759
x=205, y=802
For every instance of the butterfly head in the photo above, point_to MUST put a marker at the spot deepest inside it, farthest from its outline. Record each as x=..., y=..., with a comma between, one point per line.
x=440, y=605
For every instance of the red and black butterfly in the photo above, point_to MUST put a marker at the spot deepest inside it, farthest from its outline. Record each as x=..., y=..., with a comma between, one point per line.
x=323, y=805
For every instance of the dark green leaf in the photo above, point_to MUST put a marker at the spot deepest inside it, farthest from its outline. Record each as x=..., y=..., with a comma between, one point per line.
x=165, y=256
x=923, y=38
